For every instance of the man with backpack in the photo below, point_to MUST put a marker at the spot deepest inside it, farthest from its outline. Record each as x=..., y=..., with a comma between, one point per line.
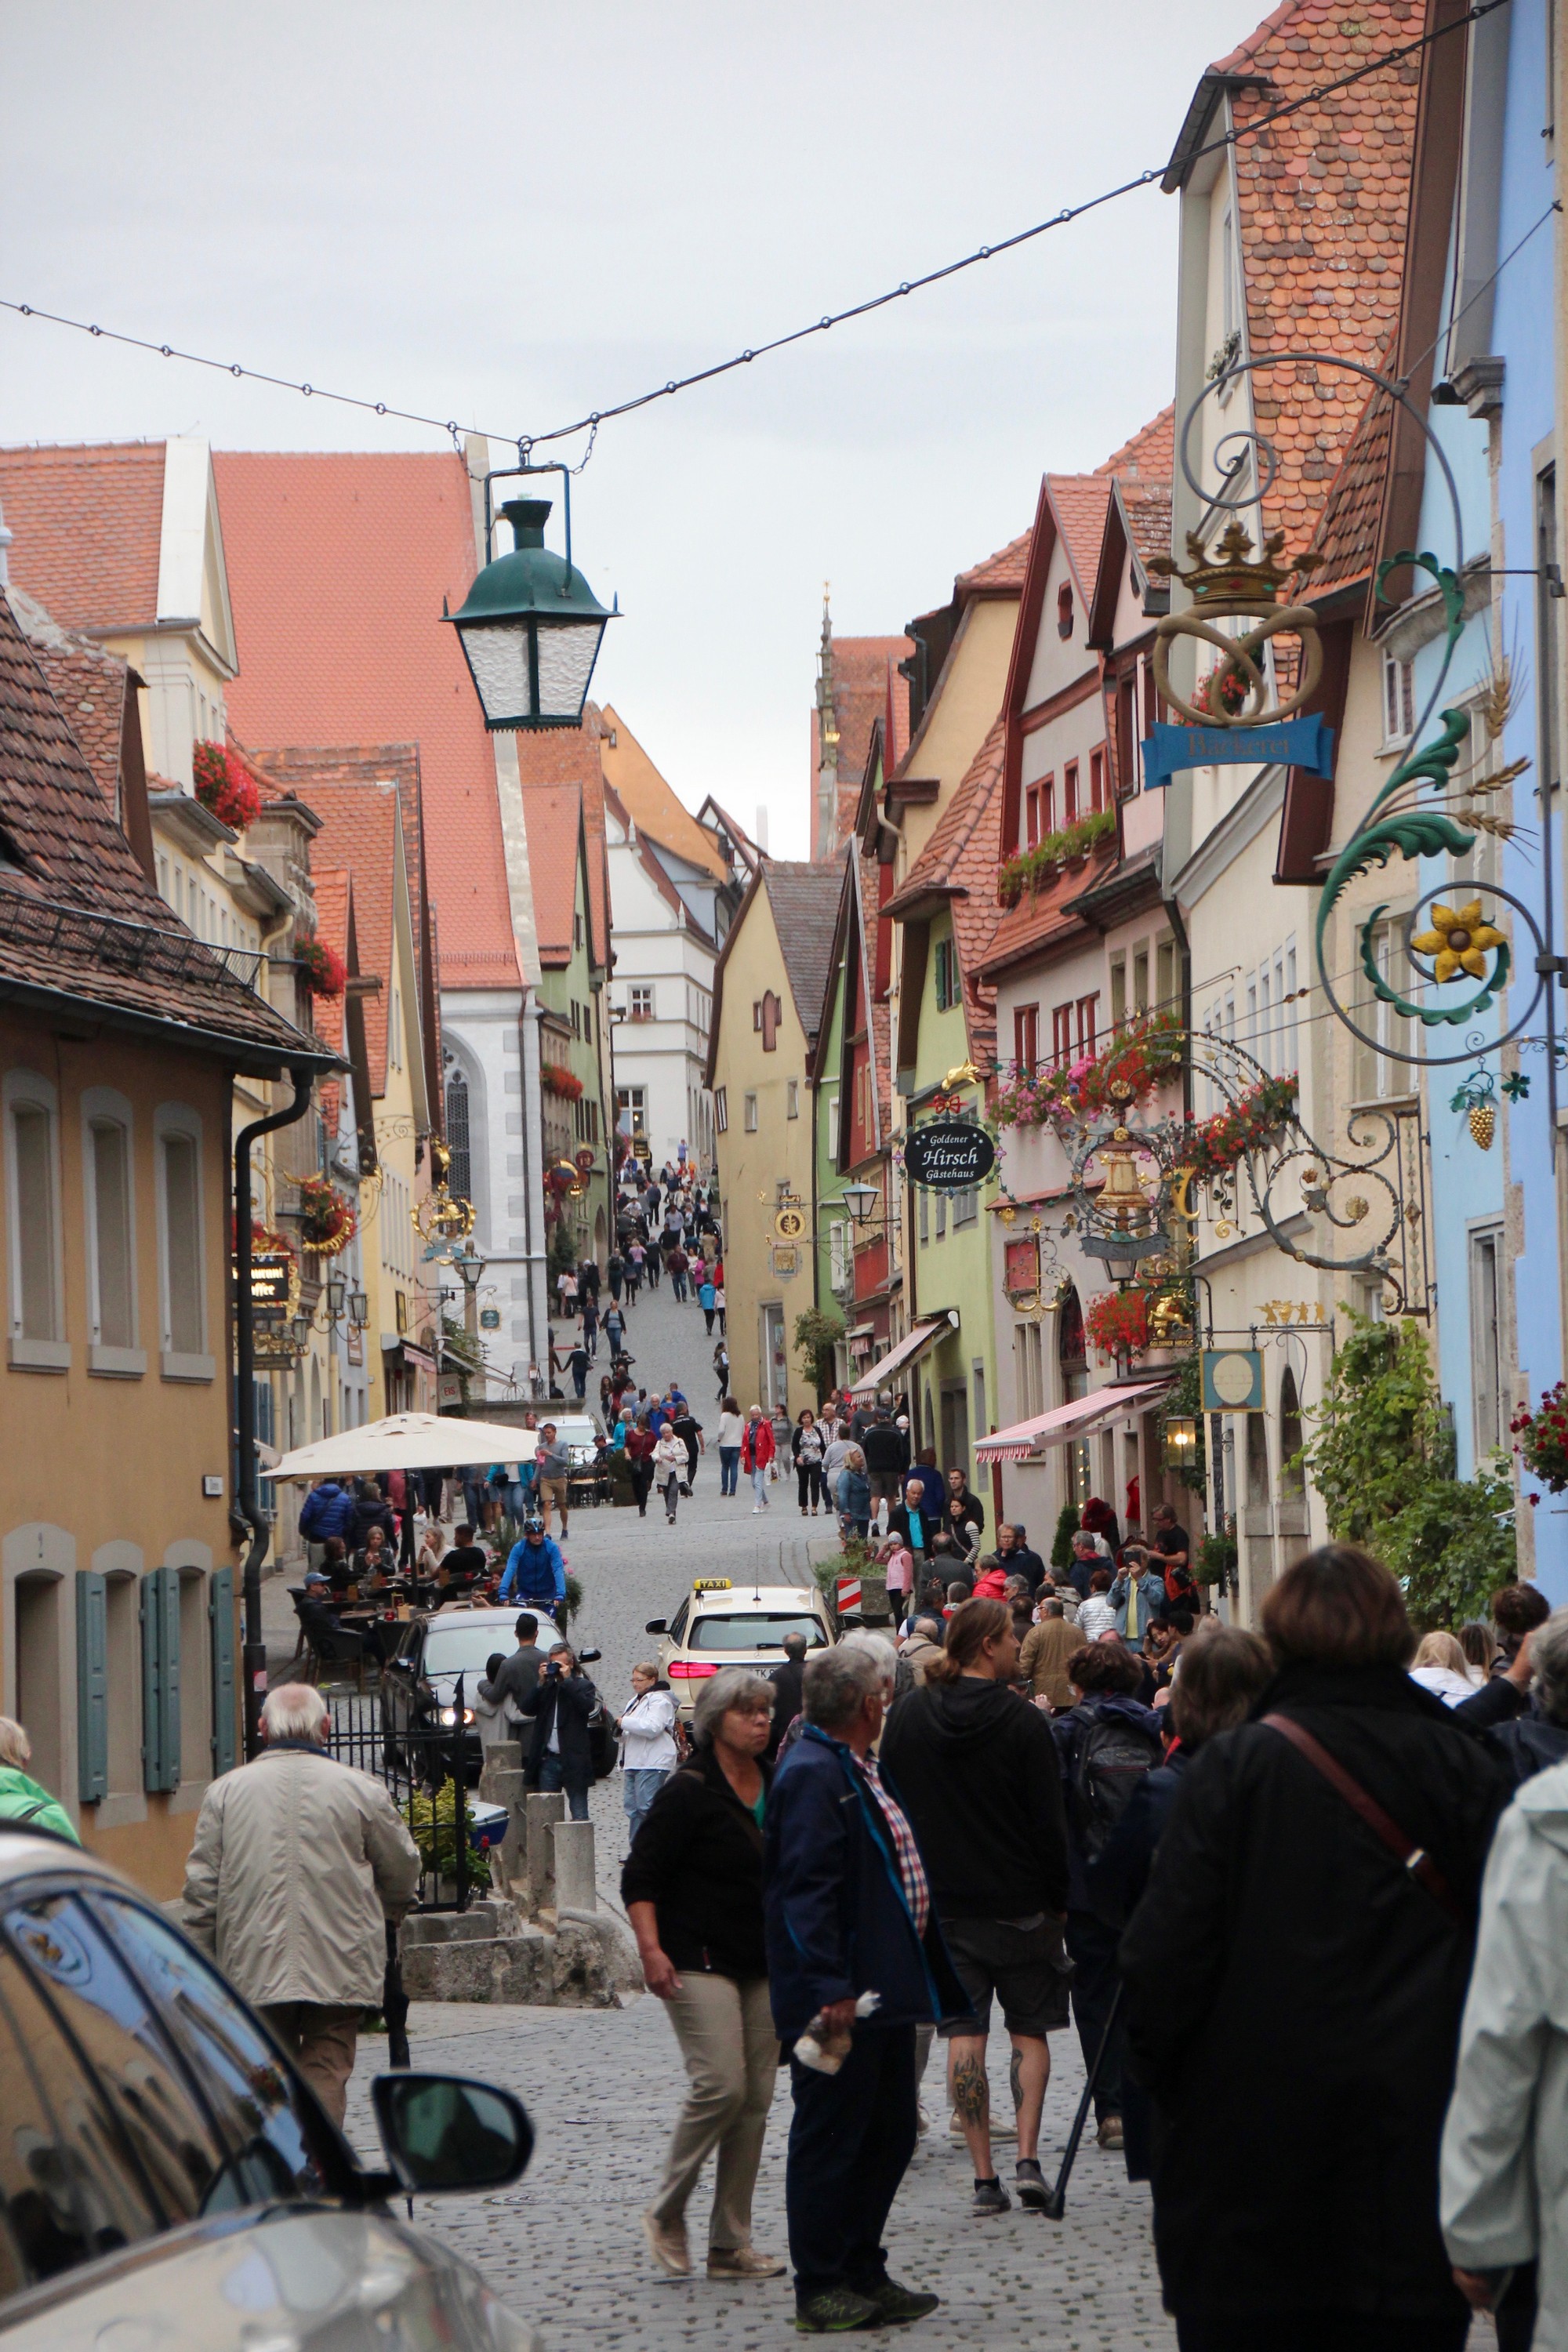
x=973, y=1766
x=1106, y=1743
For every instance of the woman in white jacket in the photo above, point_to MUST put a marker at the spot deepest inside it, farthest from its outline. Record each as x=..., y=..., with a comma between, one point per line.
x=648, y=1753
x=669, y=1467
x=1505, y=2144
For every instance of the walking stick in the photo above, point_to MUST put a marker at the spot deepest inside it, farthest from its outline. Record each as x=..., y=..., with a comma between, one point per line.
x=1057, y=2198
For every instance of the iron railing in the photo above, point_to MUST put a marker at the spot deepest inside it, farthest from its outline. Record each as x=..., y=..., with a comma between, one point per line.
x=425, y=1769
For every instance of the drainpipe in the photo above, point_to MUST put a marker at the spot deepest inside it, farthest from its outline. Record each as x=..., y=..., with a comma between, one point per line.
x=535, y=1260
x=1179, y=930
x=246, y=1500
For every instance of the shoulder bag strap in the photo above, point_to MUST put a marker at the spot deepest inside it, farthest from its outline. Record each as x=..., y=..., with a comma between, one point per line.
x=1414, y=1858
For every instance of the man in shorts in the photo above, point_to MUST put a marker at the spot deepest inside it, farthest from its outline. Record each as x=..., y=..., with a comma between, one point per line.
x=886, y=1455
x=975, y=1770
x=553, y=1465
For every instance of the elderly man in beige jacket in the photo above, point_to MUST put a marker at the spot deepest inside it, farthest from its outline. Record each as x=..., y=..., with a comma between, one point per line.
x=298, y=1863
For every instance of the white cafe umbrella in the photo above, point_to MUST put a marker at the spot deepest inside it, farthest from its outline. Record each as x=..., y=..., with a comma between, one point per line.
x=408, y=1441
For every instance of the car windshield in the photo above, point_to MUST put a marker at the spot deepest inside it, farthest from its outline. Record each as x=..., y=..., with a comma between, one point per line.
x=763, y=1632
x=463, y=1649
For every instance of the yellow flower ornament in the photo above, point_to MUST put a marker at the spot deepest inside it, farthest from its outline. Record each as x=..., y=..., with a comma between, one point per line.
x=1459, y=943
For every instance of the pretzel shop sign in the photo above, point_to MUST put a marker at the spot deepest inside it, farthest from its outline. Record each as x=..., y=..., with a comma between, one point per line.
x=948, y=1155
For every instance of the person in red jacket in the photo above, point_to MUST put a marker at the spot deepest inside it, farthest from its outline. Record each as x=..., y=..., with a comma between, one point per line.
x=641, y=1443
x=757, y=1451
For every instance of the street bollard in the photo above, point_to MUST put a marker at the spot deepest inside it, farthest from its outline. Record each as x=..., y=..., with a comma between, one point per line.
x=574, y=1854
x=544, y=1810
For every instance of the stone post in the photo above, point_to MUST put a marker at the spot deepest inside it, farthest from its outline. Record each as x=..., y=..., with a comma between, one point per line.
x=544, y=1810
x=574, y=1856
x=501, y=1783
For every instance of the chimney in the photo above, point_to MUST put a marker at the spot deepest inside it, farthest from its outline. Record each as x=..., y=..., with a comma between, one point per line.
x=761, y=830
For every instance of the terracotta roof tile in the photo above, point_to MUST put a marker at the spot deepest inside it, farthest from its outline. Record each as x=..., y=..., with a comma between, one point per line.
x=1147, y=506
x=358, y=820
x=1000, y=573
x=1323, y=199
x=88, y=683
x=1151, y=455
x=649, y=801
x=88, y=523
x=805, y=901
x=80, y=917
x=1045, y=918
x=1347, y=534
x=1080, y=501
x=569, y=756
x=866, y=688
x=337, y=567
x=960, y=860
x=553, y=816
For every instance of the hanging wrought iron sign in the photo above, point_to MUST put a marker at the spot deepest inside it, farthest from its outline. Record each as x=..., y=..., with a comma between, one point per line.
x=948, y=1155
x=1232, y=719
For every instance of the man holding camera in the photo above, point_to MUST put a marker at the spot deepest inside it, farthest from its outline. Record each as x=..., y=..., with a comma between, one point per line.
x=560, y=1704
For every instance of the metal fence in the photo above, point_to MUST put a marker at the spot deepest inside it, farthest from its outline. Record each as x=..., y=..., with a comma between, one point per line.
x=426, y=1773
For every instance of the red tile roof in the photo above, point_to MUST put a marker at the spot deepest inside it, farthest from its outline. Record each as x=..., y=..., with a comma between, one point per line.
x=1346, y=539
x=1045, y=919
x=1080, y=501
x=357, y=832
x=1323, y=199
x=960, y=862
x=88, y=683
x=78, y=918
x=1151, y=455
x=1000, y=574
x=866, y=688
x=337, y=568
x=552, y=814
x=88, y=524
x=569, y=757
x=1147, y=506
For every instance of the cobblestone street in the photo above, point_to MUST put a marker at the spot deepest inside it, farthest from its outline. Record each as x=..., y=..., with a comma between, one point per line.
x=565, y=2246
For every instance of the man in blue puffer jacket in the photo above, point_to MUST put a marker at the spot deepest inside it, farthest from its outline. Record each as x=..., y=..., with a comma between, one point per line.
x=536, y=1572
x=327, y=1511
x=847, y=1911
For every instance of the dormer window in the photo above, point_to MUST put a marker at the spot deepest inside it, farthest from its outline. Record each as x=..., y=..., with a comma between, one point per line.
x=1064, y=610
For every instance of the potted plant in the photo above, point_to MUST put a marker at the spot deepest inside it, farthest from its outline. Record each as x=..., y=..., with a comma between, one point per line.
x=323, y=971
x=326, y=1222
x=1116, y=1322
x=1542, y=1437
x=224, y=788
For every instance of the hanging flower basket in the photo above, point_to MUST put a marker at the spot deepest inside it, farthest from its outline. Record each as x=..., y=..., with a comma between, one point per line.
x=1116, y=1322
x=1542, y=1437
x=224, y=788
x=1250, y=1123
x=556, y=1079
x=323, y=970
x=326, y=1222
x=1144, y=1055
x=1035, y=869
x=1232, y=692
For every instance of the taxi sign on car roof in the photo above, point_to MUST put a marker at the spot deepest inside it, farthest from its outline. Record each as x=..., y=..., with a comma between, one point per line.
x=711, y=1584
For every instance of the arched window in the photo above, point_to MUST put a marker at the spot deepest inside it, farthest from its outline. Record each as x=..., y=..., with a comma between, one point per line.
x=460, y=1179
x=1292, y=1482
x=1071, y=1350
x=1064, y=610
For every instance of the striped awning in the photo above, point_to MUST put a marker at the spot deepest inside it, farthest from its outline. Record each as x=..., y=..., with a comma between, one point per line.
x=1067, y=1423
x=912, y=1345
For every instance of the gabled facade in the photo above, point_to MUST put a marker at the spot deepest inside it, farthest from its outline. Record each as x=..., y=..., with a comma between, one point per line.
x=769, y=989
x=855, y=681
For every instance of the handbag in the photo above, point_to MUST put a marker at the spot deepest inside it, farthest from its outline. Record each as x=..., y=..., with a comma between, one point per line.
x=1414, y=1858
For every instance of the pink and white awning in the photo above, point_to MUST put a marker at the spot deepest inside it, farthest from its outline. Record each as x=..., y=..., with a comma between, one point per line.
x=1067, y=1423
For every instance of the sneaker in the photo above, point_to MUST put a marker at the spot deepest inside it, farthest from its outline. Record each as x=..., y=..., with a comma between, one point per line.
x=1030, y=2183
x=756, y=1510
x=666, y=2244
x=835, y=2312
x=898, y=2305
x=1110, y=2133
x=743, y=2262
x=990, y=2197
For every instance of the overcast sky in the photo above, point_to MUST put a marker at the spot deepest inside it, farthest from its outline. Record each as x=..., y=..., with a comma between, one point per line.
x=510, y=213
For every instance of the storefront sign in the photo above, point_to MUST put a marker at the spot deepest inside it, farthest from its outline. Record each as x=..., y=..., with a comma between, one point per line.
x=785, y=1261
x=1232, y=1380
x=271, y=1284
x=1290, y=743
x=490, y=1318
x=948, y=1155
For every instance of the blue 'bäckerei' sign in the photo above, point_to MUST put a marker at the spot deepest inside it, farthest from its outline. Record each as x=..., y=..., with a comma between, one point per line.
x=1289, y=744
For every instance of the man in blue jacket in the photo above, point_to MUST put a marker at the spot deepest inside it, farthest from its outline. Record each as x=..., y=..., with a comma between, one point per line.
x=327, y=1511
x=848, y=1909
x=536, y=1572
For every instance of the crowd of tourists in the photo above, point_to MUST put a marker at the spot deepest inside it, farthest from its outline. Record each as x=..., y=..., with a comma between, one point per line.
x=1302, y=1893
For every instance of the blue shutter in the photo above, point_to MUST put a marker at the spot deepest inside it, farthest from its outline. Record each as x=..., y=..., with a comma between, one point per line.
x=220, y=1611
x=91, y=1686
x=160, y=1679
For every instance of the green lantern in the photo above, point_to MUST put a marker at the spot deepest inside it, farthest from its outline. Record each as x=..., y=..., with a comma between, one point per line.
x=530, y=628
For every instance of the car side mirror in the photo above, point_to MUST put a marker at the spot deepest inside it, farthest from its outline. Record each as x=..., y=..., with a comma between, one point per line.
x=589, y=1657
x=444, y=2131
x=657, y=1625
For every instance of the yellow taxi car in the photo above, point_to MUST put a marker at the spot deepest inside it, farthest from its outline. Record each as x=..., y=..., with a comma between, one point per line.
x=722, y=1623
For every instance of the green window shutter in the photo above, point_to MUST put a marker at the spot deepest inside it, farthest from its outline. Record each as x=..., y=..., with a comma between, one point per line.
x=91, y=1686
x=160, y=1679
x=220, y=1611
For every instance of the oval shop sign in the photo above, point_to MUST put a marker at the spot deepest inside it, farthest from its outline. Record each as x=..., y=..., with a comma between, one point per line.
x=948, y=1155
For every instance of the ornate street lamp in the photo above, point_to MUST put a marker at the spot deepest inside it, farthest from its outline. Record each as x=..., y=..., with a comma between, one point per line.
x=1181, y=1442
x=860, y=1199
x=531, y=625
x=469, y=1265
x=337, y=1297
x=358, y=1309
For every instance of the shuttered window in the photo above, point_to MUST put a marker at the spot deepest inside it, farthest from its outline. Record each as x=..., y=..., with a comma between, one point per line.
x=160, y=1679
